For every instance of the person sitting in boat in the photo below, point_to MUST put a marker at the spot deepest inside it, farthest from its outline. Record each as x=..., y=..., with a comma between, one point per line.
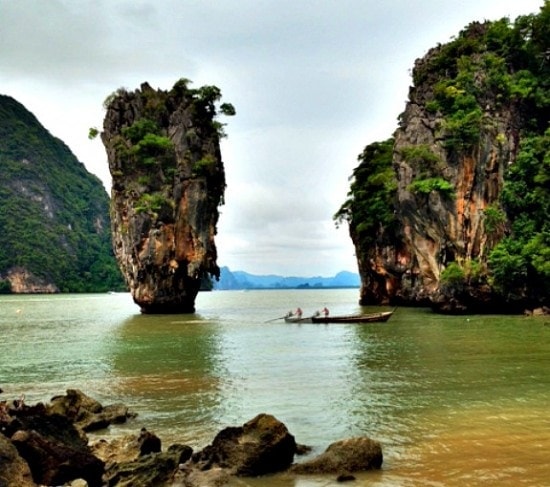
x=298, y=312
x=325, y=312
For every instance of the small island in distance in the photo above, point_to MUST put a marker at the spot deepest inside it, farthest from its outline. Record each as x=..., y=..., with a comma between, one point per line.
x=239, y=280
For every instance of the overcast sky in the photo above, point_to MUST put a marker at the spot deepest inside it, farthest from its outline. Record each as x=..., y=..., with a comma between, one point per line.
x=313, y=82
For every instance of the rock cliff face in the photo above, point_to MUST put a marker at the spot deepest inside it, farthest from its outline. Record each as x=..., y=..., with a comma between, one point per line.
x=24, y=282
x=458, y=137
x=168, y=181
x=439, y=227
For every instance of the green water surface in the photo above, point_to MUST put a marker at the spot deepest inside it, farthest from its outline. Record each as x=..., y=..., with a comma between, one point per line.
x=453, y=400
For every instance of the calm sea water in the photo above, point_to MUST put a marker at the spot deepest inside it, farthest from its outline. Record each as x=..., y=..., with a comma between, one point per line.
x=454, y=400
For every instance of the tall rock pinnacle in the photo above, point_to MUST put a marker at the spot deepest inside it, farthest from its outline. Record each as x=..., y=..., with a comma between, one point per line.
x=163, y=149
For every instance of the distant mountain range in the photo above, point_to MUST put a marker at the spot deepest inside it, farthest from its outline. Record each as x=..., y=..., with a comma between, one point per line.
x=234, y=280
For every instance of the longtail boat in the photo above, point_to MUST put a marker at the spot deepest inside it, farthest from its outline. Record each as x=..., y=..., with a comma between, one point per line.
x=360, y=318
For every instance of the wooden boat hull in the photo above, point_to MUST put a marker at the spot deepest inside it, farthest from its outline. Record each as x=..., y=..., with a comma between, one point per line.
x=293, y=319
x=368, y=318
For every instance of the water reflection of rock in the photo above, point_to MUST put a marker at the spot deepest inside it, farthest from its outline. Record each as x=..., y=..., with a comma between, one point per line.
x=169, y=367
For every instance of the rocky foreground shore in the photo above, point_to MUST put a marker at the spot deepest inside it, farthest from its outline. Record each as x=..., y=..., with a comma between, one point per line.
x=46, y=445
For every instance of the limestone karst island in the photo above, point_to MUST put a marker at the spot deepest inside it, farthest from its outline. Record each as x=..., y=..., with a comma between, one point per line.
x=168, y=181
x=452, y=211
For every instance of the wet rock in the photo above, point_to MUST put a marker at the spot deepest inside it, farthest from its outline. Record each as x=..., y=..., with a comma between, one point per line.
x=261, y=446
x=54, y=462
x=127, y=465
x=50, y=442
x=343, y=457
x=111, y=414
x=5, y=418
x=303, y=449
x=47, y=448
x=73, y=403
x=87, y=413
x=182, y=452
x=154, y=469
x=78, y=483
x=54, y=449
x=56, y=427
x=215, y=477
x=148, y=442
x=14, y=470
x=116, y=450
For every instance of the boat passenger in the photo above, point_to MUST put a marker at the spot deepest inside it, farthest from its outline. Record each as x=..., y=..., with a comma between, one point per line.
x=325, y=311
x=298, y=312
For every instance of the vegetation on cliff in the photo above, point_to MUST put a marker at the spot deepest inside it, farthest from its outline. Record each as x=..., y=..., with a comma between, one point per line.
x=54, y=216
x=460, y=197
x=370, y=206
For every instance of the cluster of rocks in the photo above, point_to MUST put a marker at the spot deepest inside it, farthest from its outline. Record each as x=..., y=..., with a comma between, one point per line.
x=46, y=445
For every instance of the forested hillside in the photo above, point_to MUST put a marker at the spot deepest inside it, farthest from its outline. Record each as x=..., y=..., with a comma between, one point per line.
x=453, y=209
x=55, y=231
